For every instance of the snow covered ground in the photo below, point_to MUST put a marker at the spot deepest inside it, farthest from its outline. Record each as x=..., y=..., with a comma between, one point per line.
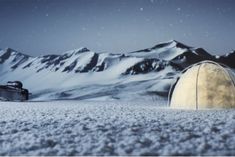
x=113, y=128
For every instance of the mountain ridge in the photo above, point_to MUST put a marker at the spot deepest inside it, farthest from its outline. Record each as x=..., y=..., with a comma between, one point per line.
x=85, y=74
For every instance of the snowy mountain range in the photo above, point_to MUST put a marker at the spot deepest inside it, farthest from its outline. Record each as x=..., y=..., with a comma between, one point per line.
x=84, y=74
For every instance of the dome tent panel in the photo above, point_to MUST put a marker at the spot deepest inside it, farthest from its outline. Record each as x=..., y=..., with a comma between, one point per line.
x=186, y=93
x=215, y=87
x=204, y=85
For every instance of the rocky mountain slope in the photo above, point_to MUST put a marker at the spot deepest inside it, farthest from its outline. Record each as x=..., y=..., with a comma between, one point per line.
x=84, y=74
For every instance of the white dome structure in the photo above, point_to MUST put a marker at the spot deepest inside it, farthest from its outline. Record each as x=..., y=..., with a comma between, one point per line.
x=204, y=85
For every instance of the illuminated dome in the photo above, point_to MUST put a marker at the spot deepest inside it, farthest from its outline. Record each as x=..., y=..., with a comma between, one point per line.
x=204, y=85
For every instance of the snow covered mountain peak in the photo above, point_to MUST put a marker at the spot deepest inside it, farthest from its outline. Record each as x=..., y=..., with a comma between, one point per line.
x=7, y=51
x=10, y=52
x=228, y=59
x=77, y=51
x=84, y=74
x=12, y=57
x=163, y=51
x=230, y=53
x=171, y=44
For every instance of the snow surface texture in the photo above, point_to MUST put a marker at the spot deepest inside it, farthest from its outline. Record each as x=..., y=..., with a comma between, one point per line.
x=113, y=128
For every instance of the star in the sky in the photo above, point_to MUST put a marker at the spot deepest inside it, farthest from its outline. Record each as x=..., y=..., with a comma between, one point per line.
x=178, y=9
x=84, y=28
x=171, y=25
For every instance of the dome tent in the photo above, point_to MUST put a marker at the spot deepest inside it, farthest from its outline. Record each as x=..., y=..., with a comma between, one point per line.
x=204, y=85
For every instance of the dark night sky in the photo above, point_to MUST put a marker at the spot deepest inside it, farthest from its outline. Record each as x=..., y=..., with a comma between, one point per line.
x=40, y=27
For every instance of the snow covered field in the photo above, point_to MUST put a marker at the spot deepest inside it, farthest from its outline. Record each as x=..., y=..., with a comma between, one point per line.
x=113, y=128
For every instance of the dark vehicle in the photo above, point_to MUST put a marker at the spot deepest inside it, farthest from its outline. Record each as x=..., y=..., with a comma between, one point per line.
x=13, y=91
